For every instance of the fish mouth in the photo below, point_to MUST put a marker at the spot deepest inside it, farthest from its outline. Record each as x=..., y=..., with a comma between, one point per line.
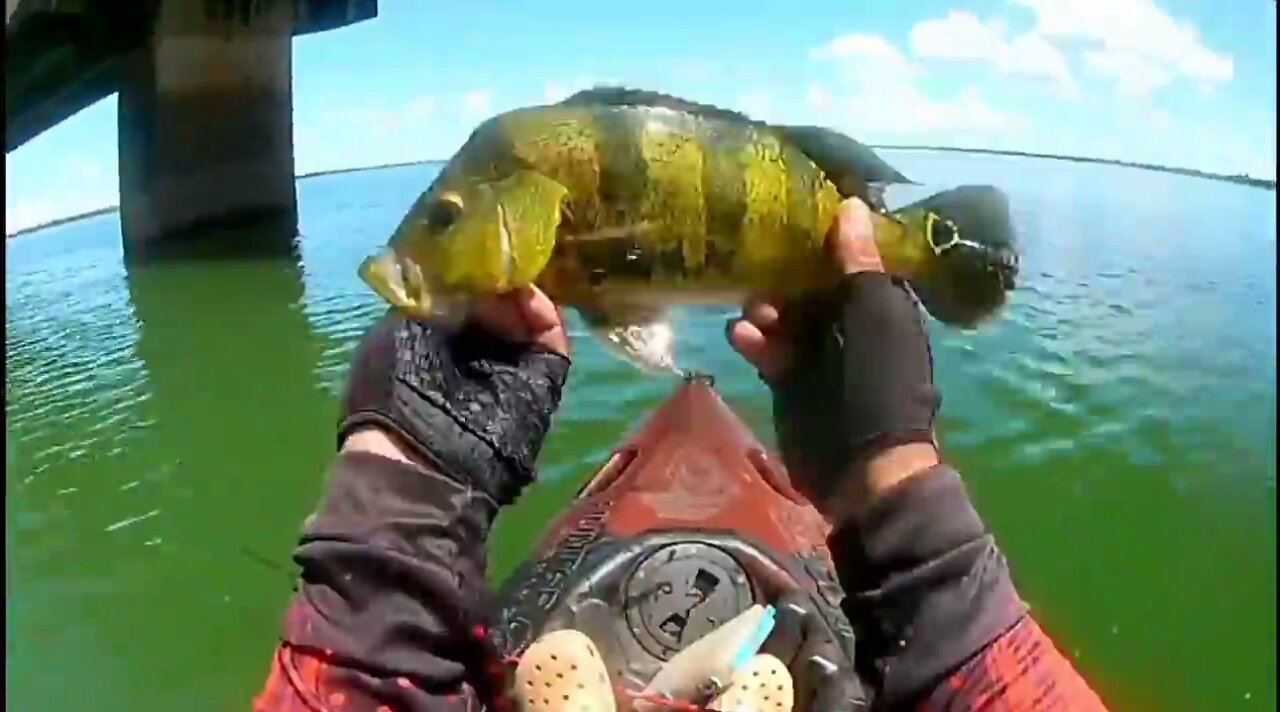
x=398, y=282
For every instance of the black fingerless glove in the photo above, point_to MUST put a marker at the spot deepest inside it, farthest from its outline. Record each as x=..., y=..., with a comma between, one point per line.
x=812, y=638
x=861, y=381
x=473, y=406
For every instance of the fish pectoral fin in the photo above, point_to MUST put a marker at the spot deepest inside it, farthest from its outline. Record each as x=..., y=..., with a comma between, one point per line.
x=848, y=163
x=642, y=336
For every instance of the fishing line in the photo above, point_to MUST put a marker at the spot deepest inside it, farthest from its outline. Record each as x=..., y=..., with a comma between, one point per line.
x=269, y=563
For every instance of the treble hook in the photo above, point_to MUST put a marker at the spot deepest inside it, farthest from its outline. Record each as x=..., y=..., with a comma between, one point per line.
x=690, y=376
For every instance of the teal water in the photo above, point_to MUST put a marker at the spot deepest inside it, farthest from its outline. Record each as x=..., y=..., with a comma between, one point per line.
x=167, y=430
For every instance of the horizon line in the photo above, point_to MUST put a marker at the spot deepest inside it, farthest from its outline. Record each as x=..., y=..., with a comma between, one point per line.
x=1238, y=178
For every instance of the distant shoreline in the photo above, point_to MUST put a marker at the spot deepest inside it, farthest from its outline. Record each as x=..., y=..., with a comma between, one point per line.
x=1238, y=179
x=63, y=221
x=380, y=166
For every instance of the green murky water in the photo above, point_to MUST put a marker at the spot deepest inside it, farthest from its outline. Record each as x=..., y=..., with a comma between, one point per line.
x=167, y=430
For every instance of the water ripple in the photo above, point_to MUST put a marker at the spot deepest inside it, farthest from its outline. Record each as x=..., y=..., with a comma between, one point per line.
x=1116, y=425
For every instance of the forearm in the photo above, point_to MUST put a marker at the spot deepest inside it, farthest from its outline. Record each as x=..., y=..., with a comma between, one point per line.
x=940, y=623
x=387, y=607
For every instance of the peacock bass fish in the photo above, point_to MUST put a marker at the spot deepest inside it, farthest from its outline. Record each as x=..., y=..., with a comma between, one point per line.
x=621, y=203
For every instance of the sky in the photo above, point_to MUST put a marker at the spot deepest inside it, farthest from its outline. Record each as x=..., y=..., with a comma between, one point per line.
x=1189, y=83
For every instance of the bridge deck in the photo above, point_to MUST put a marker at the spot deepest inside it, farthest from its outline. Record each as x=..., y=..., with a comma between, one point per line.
x=63, y=55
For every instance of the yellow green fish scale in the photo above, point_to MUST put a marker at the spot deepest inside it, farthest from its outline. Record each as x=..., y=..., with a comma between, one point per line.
x=666, y=199
x=674, y=200
x=562, y=146
x=735, y=203
x=621, y=203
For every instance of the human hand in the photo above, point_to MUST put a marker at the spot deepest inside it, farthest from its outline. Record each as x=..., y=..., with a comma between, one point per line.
x=473, y=400
x=760, y=335
x=813, y=639
x=851, y=374
x=524, y=316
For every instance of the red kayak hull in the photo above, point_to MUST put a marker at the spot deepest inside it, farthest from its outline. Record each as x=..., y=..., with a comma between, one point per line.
x=695, y=465
x=687, y=524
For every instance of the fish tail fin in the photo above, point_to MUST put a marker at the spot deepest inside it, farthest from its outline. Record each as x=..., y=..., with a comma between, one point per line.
x=965, y=251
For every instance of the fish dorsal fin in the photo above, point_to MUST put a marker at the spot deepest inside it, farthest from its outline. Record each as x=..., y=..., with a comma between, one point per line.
x=848, y=163
x=624, y=96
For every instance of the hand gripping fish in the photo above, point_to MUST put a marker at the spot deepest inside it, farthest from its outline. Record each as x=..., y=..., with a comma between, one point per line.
x=621, y=203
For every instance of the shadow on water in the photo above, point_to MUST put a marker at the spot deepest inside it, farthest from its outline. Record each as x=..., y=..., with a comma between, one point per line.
x=243, y=235
x=166, y=432
x=230, y=362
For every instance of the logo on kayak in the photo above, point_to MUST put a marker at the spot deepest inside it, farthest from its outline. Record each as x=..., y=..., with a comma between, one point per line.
x=692, y=487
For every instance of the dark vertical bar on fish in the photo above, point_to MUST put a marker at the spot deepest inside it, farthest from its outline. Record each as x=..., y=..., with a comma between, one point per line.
x=802, y=196
x=624, y=173
x=724, y=191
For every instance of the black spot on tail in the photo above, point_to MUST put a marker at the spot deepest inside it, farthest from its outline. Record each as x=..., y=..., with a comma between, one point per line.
x=980, y=212
x=978, y=261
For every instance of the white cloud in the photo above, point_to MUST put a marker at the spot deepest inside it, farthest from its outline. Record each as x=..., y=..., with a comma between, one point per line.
x=1133, y=74
x=477, y=104
x=962, y=35
x=959, y=35
x=915, y=113
x=1129, y=31
x=867, y=57
x=1031, y=55
x=818, y=97
x=881, y=98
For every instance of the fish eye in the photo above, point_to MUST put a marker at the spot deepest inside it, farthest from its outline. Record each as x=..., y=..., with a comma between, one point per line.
x=444, y=212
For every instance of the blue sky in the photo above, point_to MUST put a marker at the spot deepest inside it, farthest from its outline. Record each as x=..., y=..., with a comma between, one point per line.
x=1180, y=82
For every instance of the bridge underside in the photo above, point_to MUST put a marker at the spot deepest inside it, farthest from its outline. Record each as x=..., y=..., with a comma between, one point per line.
x=205, y=102
x=59, y=62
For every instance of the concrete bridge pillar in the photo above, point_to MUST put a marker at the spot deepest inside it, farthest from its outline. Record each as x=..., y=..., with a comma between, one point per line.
x=206, y=125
